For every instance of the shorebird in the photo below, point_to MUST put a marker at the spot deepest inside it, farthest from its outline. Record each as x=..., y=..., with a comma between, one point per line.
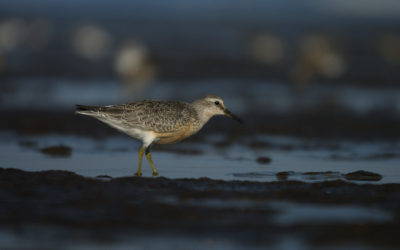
x=158, y=122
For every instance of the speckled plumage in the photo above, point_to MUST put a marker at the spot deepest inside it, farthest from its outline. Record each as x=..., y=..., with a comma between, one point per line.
x=154, y=115
x=155, y=121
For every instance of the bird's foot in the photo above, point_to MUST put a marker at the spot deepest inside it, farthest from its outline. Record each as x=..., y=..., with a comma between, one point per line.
x=138, y=173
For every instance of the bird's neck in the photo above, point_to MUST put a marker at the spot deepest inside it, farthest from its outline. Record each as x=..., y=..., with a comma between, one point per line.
x=203, y=114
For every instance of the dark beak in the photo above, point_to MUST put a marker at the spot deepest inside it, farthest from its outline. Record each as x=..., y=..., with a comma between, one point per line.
x=234, y=117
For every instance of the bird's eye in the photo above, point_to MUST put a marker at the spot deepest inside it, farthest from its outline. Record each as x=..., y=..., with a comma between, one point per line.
x=216, y=103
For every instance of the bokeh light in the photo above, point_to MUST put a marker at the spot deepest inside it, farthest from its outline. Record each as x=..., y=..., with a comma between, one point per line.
x=12, y=34
x=92, y=42
x=389, y=47
x=318, y=57
x=267, y=48
x=132, y=63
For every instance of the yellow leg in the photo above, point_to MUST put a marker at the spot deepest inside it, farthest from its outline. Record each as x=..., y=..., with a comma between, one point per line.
x=148, y=155
x=139, y=172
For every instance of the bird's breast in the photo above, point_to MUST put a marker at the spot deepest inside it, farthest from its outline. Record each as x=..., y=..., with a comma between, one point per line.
x=172, y=137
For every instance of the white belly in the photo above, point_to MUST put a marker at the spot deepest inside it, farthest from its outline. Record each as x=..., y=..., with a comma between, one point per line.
x=147, y=137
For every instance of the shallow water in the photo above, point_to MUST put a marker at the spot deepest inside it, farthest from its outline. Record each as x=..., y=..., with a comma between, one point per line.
x=117, y=156
x=295, y=214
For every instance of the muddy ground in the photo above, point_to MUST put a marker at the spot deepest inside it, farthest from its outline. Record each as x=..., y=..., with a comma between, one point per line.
x=103, y=209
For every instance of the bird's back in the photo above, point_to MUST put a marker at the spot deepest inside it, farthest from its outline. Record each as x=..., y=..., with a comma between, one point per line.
x=152, y=115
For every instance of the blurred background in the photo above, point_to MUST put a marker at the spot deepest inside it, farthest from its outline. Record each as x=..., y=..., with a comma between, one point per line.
x=265, y=58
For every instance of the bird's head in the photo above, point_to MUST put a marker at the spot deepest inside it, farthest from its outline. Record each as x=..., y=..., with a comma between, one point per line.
x=211, y=105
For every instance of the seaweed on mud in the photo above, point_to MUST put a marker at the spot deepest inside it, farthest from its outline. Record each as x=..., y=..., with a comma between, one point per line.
x=264, y=160
x=57, y=151
x=362, y=175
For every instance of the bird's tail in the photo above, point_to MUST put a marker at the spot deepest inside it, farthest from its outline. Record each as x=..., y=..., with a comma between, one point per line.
x=86, y=110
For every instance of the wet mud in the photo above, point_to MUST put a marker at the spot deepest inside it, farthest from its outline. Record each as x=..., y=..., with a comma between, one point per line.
x=238, y=211
x=363, y=176
x=370, y=157
x=264, y=160
x=57, y=151
x=359, y=175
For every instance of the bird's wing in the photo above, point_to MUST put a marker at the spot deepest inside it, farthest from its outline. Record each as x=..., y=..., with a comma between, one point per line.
x=157, y=116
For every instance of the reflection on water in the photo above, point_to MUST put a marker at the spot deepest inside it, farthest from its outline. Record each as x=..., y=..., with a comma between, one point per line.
x=292, y=214
x=40, y=237
x=289, y=213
